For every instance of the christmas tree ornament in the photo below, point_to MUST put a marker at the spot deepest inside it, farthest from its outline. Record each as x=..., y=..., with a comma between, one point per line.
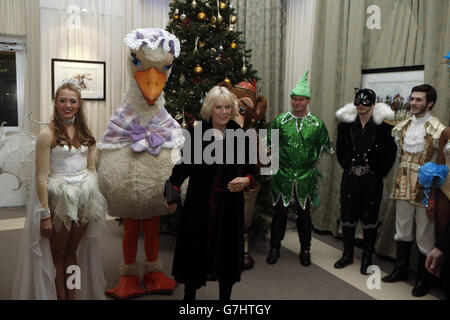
x=182, y=79
x=223, y=5
x=213, y=50
x=201, y=44
x=226, y=80
x=219, y=59
x=182, y=17
x=233, y=45
x=244, y=68
x=194, y=4
x=176, y=16
x=213, y=20
x=184, y=125
x=198, y=70
x=202, y=16
x=219, y=17
x=177, y=11
x=196, y=45
x=220, y=48
x=233, y=20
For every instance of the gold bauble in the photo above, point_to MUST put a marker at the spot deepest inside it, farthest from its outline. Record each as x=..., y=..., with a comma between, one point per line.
x=198, y=70
x=233, y=19
x=244, y=70
x=219, y=58
x=201, y=16
x=223, y=5
x=233, y=45
x=226, y=80
x=201, y=44
x=213, y=20
x=176, y=17
x=184, y=125
x=213, y=50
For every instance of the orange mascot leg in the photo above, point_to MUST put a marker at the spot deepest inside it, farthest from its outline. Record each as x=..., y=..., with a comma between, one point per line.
x=155, y=280
x=128, y=286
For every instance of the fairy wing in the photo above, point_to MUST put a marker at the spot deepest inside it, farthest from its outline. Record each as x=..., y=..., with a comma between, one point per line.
x=17, y=155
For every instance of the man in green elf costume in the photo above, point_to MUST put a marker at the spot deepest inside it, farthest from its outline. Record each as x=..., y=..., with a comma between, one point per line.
x=303, y=137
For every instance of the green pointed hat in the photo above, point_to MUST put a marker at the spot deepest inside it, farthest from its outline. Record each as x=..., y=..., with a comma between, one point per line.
x=302, y=88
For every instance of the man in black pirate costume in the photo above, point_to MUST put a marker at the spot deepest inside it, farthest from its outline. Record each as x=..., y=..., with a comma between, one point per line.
x=366, y=151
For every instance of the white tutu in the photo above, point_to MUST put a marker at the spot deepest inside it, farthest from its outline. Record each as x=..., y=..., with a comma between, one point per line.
x=76, y=198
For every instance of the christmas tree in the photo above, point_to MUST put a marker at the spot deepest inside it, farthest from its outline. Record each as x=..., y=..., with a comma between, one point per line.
x=211, y=52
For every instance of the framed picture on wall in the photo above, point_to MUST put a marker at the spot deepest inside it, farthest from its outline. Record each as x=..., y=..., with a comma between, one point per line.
x=393, y=86
x=90, y=75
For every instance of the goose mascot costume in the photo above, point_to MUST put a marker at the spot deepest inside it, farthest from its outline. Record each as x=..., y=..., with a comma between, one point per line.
x=136, y=159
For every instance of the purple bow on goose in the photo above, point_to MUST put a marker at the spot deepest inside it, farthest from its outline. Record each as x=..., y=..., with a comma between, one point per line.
x=146, y=141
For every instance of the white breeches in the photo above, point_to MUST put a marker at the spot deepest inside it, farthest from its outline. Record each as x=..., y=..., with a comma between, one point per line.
x=404, y=219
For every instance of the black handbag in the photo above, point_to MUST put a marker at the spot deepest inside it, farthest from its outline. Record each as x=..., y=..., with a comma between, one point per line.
x=171, y=194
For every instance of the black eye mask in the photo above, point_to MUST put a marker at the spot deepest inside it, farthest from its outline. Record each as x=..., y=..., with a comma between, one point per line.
x=366, y=97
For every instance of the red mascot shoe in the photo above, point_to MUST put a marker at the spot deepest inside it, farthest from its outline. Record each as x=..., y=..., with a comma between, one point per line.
x=155, y=281
x=129, y=286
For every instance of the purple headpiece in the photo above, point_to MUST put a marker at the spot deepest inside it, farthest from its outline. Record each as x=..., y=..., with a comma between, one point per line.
x=153, y=38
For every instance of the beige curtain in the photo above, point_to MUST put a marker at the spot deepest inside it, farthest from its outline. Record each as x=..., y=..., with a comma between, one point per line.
x=32, y=76
x=263, y=23
x=12, y=17
x=299, y=44
x=413, y=32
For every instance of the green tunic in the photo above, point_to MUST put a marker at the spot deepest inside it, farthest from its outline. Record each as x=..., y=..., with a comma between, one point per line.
x=301, y=143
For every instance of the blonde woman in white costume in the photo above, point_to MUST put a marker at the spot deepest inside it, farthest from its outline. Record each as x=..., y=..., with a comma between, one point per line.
x=65, y=210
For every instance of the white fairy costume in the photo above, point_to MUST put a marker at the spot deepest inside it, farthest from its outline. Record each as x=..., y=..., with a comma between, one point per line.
x=74, y=196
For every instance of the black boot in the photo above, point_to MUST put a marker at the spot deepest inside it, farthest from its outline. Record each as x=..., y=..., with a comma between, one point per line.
x=349, y=243
x=225, y=289
x=189, y=292
x=273, y=256
x=277, y=232
x=400, y=272
x=368, y=244
x=304, y=227
x=421, y=287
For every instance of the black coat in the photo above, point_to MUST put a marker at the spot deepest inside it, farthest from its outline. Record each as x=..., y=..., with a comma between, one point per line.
x=361, y=196
x=198, y=258
x=381, y=151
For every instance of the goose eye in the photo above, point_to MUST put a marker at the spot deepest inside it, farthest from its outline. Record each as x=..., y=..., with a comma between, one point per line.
x=168, y=67
x=136, y=61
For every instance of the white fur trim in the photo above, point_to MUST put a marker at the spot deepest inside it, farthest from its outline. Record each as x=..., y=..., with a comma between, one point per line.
x=129, y=270
x=111, y=146
x=381, y=112
x=347, y=113
x=151, y=267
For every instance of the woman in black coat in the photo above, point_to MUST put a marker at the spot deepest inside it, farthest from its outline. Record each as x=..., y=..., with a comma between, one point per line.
x=210, y=243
